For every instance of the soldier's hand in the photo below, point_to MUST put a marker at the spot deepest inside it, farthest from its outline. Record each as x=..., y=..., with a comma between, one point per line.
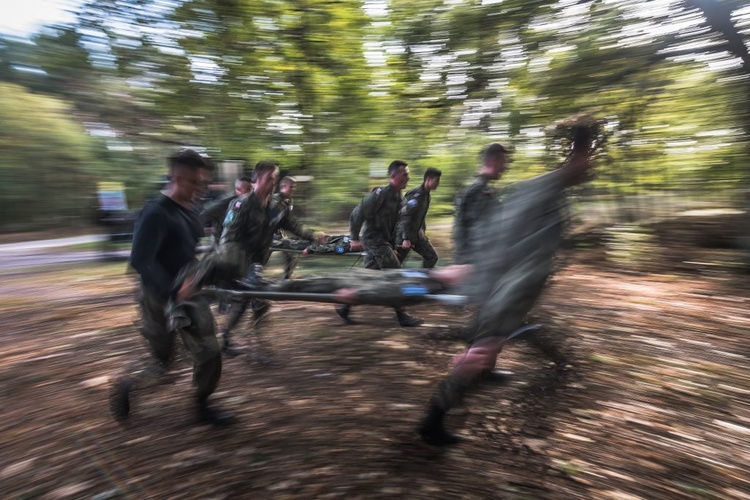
x=454, y=275
x=406, y=244
x=186, y=291
x=355, y=246
x=578, y=167
x=347, y=296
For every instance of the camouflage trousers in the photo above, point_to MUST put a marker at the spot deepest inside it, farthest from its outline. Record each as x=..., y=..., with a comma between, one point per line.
x=381, y=256
x=194, y=323
x=424, y=248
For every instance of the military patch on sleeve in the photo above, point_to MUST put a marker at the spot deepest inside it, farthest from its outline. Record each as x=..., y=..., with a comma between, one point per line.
x=411, y=203
x=231, y=215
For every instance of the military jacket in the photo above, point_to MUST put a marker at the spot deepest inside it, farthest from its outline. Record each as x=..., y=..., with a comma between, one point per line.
x=515, y=252
x=281, y=214
x=413, y=213
x=379, y=213
x=248, y=229
x=213, y=213
x=471, y=205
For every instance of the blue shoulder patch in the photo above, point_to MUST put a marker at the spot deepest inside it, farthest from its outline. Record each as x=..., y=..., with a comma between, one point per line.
x=411, y=203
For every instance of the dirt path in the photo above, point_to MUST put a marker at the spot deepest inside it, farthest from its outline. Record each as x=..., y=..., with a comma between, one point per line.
x=642, y=393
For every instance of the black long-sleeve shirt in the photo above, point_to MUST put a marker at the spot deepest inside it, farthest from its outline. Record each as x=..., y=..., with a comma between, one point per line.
x=164, y=241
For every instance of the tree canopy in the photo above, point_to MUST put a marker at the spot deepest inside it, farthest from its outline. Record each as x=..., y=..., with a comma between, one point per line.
x=337, y=90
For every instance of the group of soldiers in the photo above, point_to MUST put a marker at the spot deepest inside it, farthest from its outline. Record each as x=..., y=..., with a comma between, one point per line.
x=516, y=240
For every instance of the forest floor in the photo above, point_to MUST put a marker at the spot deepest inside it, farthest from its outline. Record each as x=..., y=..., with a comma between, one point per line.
x=642, y=393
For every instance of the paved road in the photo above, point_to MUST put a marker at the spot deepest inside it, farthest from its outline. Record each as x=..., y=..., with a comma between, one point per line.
x=56, y=243
x=43, y=252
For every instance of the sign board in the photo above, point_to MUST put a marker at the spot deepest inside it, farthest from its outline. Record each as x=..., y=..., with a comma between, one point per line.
x=111, y=196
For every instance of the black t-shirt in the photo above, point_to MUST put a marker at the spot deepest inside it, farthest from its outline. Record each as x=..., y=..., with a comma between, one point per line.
x=164, y=241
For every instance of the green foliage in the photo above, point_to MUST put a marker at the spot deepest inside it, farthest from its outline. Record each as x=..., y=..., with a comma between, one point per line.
x=336, y=90
x=45, y=156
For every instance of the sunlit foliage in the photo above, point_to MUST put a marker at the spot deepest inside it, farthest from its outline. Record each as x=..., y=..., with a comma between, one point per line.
x=336, y=90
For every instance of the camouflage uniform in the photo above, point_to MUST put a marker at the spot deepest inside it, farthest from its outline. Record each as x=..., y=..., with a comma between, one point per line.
x=283, y=207
x=160, y=333
x=281, y=210
x=290, y=244
x=247, y=235
x=412, y=226
x=379, y=213
x=212, y=215
x=516, y=244
x=387, y=287
x=249, y=228
x=333, y=244
x=471, y=206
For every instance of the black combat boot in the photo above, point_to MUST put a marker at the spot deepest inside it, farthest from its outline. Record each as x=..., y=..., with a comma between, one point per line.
x=260, y=308
x=212, y=416
x=432, y=431
x=407, y=320
x=497, y=376
x=119, y=397
x=343, y=311
x=227, y=350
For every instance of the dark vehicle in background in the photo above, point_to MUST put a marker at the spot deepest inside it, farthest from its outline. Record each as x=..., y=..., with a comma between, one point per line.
x=113, y=213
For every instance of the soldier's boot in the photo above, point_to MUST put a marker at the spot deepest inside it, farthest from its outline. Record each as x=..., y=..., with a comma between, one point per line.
x=432, y=431
x=407, y=320
x=264, y=357
x=343, y=311
x=497, y=376
x=226, y=348
x=224, y=306
x=212, y=416
x=260, y=308
x=119, y=397
x=504, y=376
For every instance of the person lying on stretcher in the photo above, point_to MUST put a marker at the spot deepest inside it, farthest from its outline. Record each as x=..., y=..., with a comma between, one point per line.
x=338, y=244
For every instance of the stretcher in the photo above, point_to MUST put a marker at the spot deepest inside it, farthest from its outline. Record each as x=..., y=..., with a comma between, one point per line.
x=391, y=287
x=409, y=295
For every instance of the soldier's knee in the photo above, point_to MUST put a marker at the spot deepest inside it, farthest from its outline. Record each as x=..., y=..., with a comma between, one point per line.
x=429, y=262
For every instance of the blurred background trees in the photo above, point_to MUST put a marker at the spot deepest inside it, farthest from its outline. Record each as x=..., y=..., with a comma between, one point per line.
x=338, y=89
